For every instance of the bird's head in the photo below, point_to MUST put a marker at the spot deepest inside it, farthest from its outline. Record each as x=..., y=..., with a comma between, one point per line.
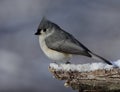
x=46, y=27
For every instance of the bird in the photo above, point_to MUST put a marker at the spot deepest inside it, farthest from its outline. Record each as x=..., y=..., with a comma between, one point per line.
x=60, y=45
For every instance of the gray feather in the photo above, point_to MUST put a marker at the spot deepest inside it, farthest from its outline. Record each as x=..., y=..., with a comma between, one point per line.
x=64, y=42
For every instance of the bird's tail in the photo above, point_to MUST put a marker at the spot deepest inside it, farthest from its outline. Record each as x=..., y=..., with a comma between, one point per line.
x=97, y=57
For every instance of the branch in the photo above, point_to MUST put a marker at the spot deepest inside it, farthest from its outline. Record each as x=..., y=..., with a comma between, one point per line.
x=98, y=80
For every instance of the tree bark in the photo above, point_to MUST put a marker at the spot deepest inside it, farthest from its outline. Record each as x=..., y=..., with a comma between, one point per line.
x=93, y=81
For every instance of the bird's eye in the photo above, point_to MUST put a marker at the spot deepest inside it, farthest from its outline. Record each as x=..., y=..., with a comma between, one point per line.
x=44, y=30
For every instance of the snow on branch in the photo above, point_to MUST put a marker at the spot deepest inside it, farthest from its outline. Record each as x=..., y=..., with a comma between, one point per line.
x=97, y=77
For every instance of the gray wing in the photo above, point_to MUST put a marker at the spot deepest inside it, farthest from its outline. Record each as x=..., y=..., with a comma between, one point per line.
x=64, y=42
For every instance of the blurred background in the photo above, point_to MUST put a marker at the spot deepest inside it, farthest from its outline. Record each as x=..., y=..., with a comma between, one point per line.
x=24, y=67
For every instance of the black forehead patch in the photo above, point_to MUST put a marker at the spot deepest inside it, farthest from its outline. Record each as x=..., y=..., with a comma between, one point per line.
x=38, y=30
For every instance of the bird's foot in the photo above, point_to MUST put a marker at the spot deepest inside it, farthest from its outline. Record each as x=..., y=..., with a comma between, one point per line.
x=68, y=62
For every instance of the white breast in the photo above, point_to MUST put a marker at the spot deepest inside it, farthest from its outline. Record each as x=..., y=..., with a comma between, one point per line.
x=52, y=54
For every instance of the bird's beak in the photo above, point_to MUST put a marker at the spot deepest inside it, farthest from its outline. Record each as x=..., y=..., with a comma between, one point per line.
x=38, y=32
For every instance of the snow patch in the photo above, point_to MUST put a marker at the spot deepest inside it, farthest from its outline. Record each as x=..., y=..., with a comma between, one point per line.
x=84, y=67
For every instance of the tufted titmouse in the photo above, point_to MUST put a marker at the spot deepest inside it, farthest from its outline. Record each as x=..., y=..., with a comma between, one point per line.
x=59, y=45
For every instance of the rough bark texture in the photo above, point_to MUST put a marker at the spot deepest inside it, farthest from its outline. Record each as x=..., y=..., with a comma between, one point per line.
x=94, y=81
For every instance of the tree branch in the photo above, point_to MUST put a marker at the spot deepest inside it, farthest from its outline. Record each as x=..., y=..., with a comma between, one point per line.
x=100, y=80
